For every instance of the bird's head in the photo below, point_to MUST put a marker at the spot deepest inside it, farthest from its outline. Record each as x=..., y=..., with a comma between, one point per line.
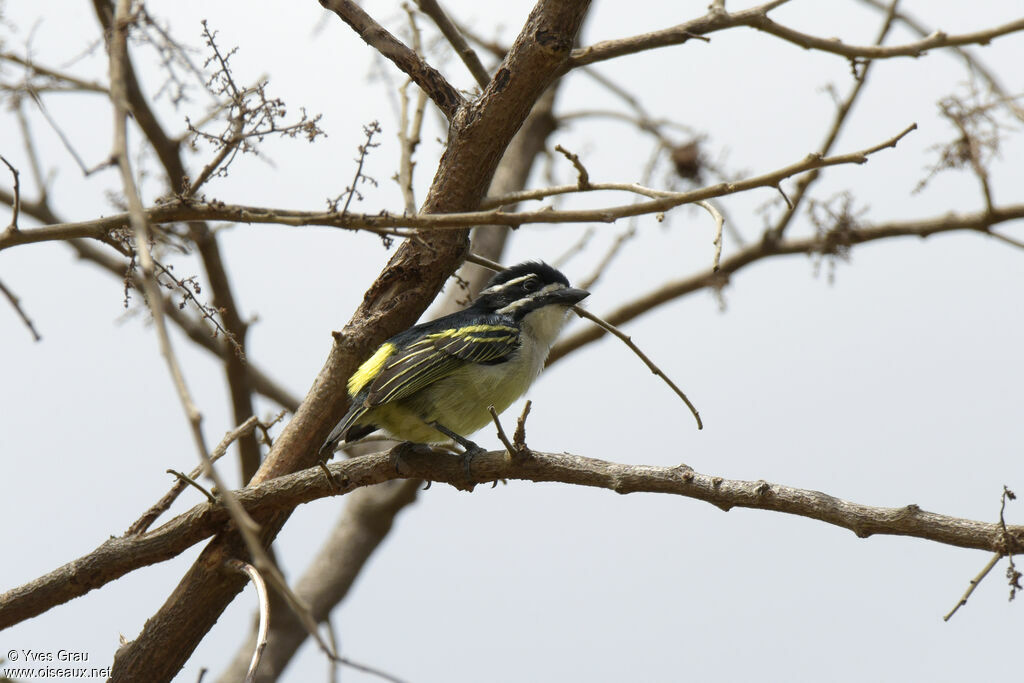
x=527, y=288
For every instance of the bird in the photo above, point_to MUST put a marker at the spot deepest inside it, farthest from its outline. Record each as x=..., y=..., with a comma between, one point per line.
x=436, y=381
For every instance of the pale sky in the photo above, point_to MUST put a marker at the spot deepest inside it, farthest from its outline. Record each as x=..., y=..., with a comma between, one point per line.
x=898, y=382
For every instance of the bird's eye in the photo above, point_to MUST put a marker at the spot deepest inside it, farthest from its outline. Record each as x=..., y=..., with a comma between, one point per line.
x=531, y=284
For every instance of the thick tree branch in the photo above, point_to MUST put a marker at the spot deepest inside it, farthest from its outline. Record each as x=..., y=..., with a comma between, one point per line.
x=118, y=556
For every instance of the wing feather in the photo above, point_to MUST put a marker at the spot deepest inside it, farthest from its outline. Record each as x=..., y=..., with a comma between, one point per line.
x=438, y=355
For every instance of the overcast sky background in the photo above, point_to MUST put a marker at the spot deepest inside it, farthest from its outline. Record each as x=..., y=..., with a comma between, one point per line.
x=900, y=382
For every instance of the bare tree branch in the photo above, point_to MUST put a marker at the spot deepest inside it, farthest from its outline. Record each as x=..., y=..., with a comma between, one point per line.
x=15, y=202
x=264, y=625
x=937, y=39
x=820, y=244
x=757, y=18
x=446, y=97
x=191, y=211
x=468, y=56
x=16, y=304
x=118, y=556
x=843, y=109
x=67, y=81
x=973, y=64
x=161, y=506
x=198, y=333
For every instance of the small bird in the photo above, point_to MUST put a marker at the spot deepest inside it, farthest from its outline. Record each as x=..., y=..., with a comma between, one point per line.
x=436, y=380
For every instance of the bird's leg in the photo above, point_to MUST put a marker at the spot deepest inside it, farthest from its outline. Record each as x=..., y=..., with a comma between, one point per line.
x=472, y=449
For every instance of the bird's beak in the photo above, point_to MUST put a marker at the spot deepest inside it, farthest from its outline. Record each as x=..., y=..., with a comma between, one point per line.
x=569, y=296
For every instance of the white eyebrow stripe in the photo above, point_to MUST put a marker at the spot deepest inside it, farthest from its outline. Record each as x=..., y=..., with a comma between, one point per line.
x=503, y=285
x=519, y=303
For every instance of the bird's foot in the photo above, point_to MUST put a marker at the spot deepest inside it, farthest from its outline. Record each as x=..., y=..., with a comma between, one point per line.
x=407, y=448
x=471, y=450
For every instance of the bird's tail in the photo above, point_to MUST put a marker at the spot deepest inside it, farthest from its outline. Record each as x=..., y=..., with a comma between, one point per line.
x=341, y=430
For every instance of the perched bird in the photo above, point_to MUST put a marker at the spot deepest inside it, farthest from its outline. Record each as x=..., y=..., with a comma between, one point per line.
x=436, y=380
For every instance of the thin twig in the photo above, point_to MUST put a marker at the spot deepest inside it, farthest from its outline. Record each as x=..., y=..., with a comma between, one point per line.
x=609, y=255
x=973, y=584
x=803, y=185
x=519, y=438
x=501, y=431
x=576, y=248
x=583, y=313
x=409, y=131
x=33, y=156
x=1007, y=551
x=264, y=611
x=86, y=170
x=369, y=670
x=186, y=480
x=975, y=65
x=16, y=303
x=16, y=204
x=468, y=56
x=719, y=224
x=73, y=82
x=642, y=119
x=627, y=340
x=444, y=95
x=162, y=505
x=583, y=178
x=633, y=224
x=1006, y=238
x=352, y=191
x=552, y=191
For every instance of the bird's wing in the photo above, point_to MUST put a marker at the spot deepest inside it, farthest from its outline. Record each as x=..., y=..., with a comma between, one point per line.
x=438, y=355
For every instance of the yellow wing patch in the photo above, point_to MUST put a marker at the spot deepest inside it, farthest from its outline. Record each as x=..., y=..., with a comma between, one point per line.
x=370, y=369
x=471, y=329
